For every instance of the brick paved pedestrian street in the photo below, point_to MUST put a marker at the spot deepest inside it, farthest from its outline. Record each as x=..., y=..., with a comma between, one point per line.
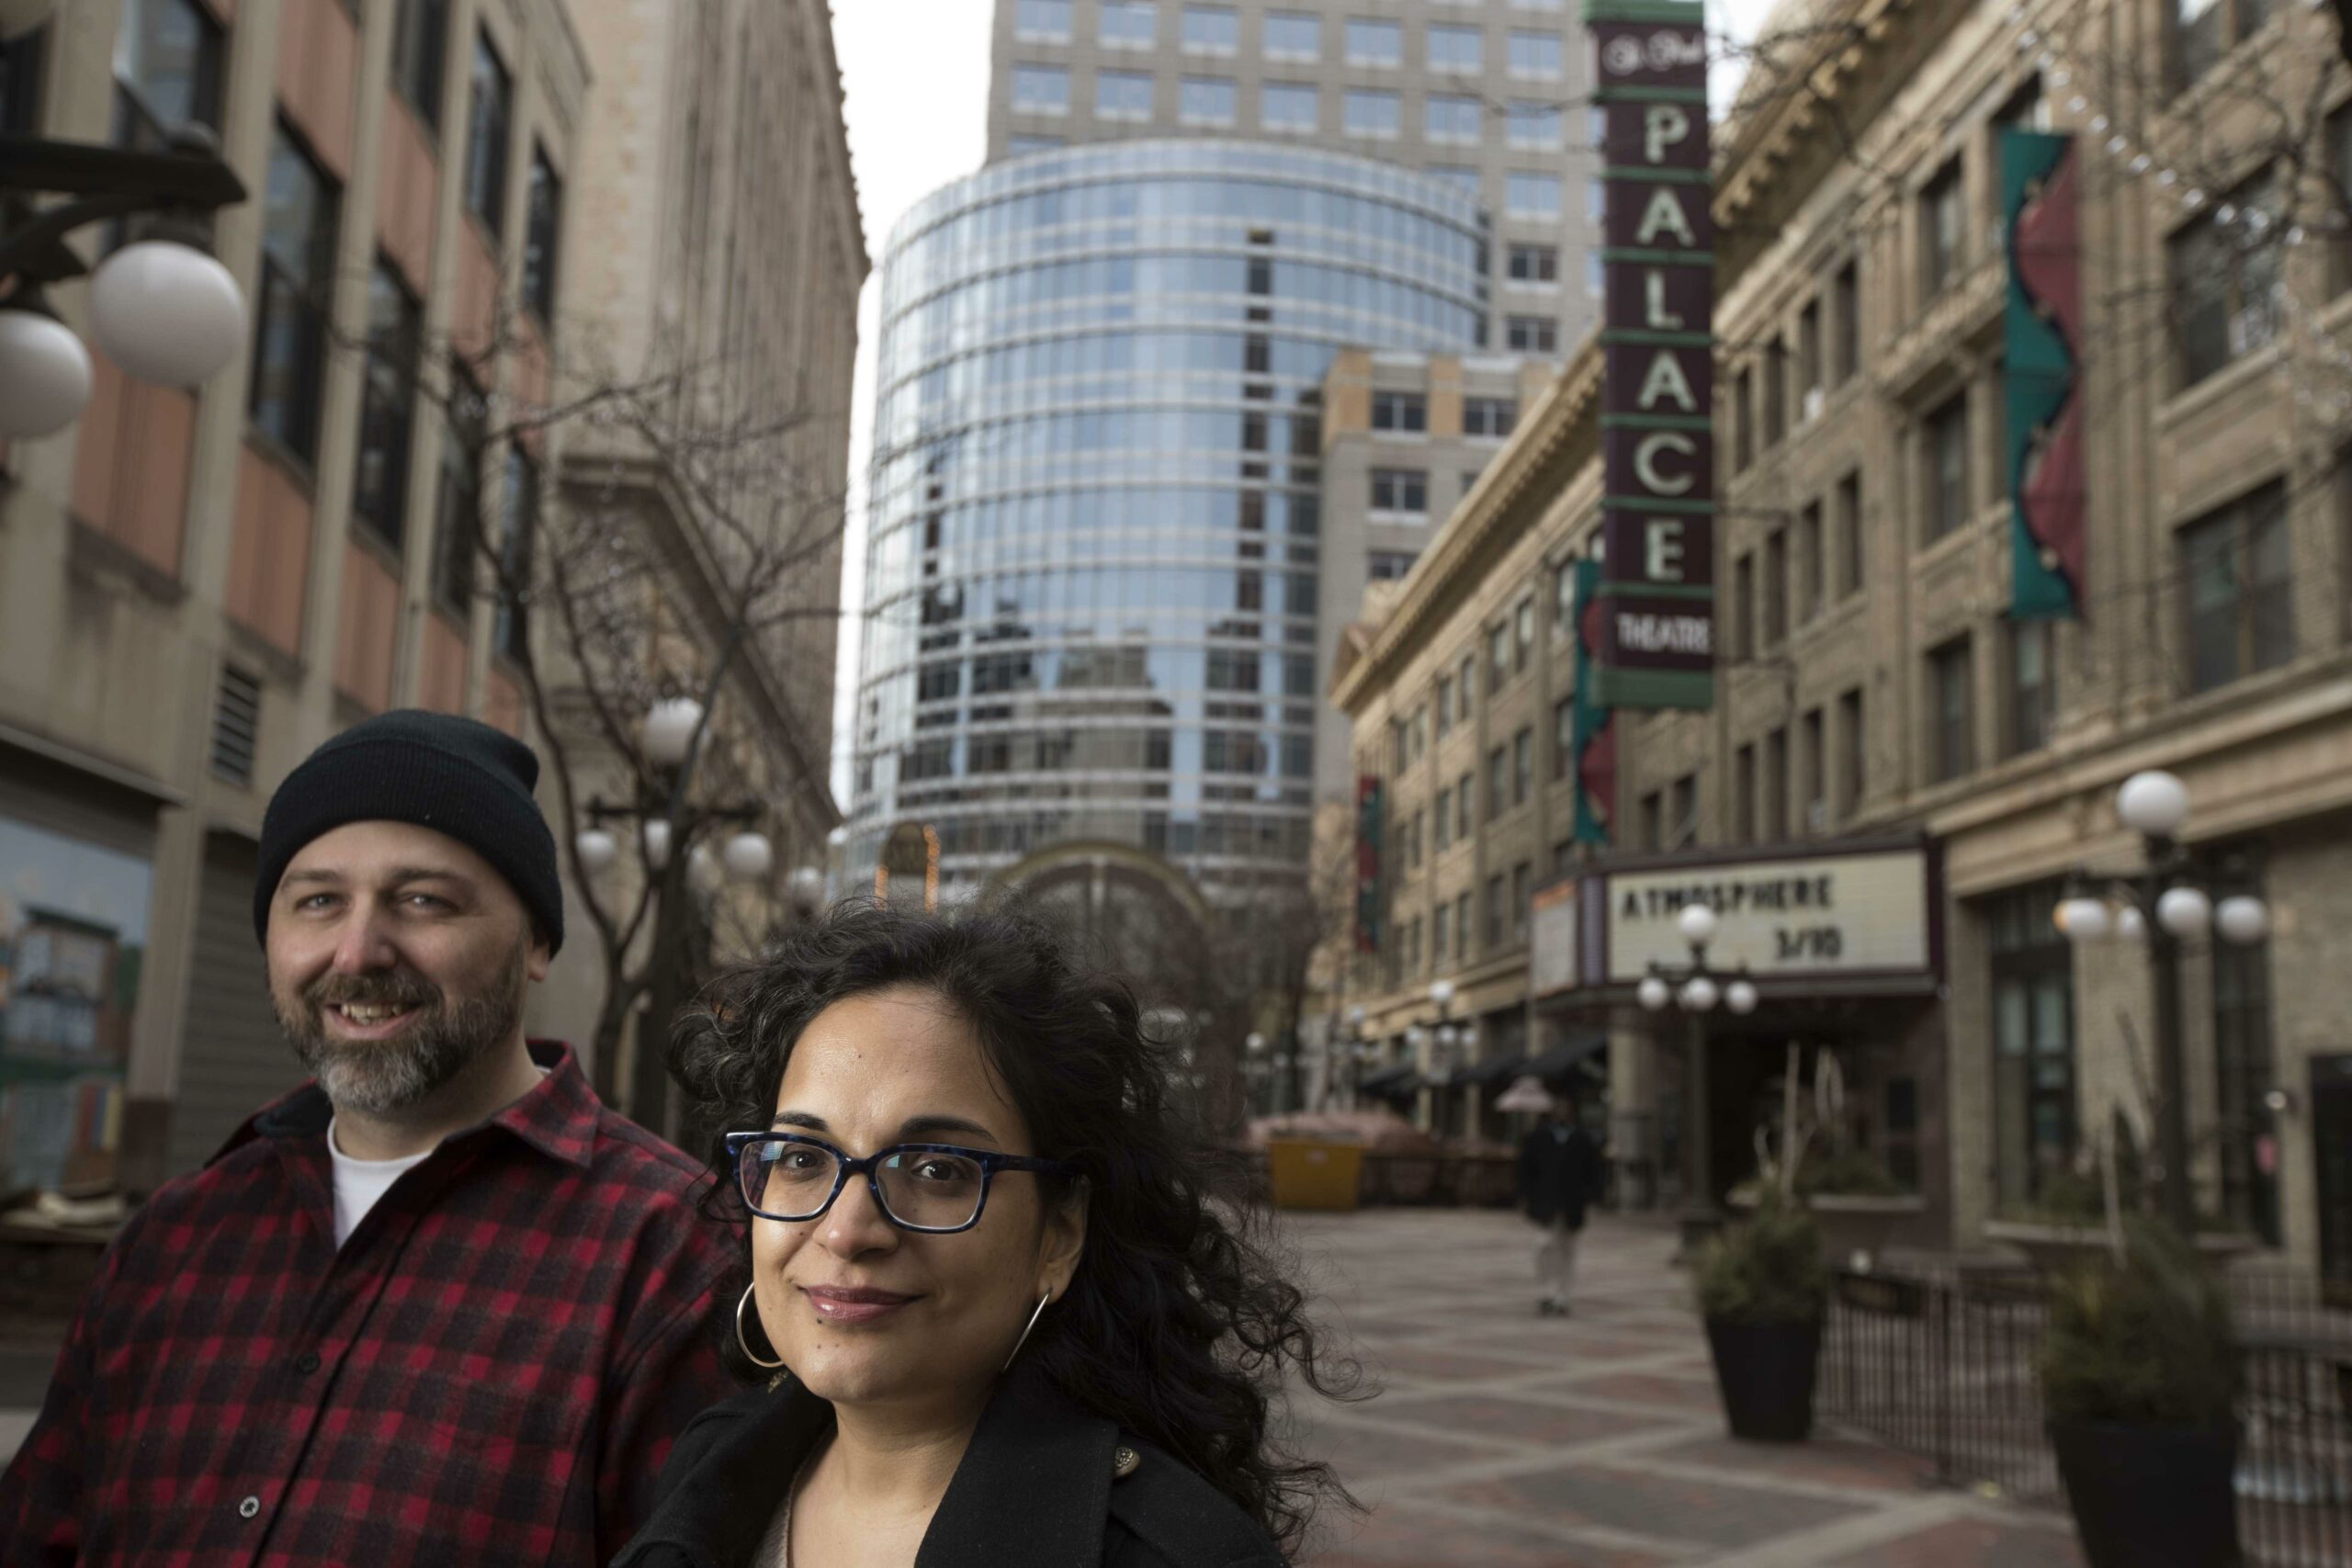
x=1505, y=1441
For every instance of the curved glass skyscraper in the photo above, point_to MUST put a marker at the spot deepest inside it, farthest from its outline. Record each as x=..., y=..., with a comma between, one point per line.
x=1090, y=582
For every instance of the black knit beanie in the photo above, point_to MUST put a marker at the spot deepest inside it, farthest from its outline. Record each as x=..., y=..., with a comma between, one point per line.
x=454, y=775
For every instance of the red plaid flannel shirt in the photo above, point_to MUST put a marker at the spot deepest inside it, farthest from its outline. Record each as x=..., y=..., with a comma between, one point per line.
x=490, y=1370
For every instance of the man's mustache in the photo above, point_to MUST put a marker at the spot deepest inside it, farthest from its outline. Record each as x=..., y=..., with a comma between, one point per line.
x=395, y=988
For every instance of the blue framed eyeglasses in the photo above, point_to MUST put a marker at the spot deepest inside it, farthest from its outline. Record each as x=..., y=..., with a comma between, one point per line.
x=936, y=1188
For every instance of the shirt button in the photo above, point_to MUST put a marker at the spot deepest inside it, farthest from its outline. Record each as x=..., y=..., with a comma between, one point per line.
x=250, y=1507
x=307, y=1362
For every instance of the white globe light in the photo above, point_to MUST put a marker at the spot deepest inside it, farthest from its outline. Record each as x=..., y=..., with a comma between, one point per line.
x=2082, y=919
x=1355, y=1017
x=2153, y=802
x=598, y=850
x=2242, y=919
x=805, y=887
x=2131, y=925
x=668, y=726
x=1653, y=994
x=166, y=312
x=1416, y=1037
x=1741, y=997
x=1469, y=1036
x=702, y=867
x=18, y=17
x=44, y=375
x=1256, y=1042
x=1440, y=991
x=1698, y=994
x=2185, y=911
x=749, y=857
x=657, y=844
x=1698, y=923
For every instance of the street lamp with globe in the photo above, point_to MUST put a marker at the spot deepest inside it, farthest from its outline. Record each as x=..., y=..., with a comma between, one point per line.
x=2161, y=905
x=671, y=734
x=1697, y=989
x=162, y=308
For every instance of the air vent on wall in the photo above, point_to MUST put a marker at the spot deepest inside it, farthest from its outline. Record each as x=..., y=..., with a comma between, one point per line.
x=236, y=727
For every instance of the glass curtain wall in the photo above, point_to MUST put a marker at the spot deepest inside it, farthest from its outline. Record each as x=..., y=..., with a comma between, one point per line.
x=1094, y=526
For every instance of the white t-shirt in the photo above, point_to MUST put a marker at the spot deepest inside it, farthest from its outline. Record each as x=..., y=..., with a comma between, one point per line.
x=359, y=1182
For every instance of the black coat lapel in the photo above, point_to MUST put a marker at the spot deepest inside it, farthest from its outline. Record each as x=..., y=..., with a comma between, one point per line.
x=1037, y=1477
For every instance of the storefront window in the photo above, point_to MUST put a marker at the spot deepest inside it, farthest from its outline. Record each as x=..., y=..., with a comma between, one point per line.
x=2034, y=1113
x=73, y=942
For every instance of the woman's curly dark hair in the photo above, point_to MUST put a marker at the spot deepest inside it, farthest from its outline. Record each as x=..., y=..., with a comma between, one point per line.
x=1179, y=1323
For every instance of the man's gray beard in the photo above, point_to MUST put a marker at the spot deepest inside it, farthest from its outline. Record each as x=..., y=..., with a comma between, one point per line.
x=379, y=1077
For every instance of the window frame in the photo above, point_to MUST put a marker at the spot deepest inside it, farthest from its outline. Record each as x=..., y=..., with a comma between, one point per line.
x=390, y=366
x=542, y=236
x=484, y=195
x=311, y=306
x=420, y=59
x=2261, y=613
x=1951, y=736
x=1947, y=500
x=1942, y=206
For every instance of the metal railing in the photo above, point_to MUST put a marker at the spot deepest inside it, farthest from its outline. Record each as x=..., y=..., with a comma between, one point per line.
x=1941, y=1364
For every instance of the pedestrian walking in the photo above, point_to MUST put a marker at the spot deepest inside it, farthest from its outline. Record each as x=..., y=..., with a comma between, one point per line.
x=436, y=1305
x=1005, y=1320
x=1559, y=1177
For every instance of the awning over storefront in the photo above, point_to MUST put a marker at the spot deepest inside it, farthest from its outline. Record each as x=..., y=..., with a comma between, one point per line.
x=1493, y=1070
x=1401, y=1080
x=1556, y=1061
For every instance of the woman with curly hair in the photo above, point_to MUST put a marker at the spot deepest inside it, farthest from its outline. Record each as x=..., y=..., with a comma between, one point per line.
x=1001, y=1319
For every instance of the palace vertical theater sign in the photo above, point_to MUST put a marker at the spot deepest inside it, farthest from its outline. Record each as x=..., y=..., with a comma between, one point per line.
x=1658, y=434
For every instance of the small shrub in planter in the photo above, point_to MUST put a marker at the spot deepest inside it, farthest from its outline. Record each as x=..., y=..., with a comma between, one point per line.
x=1762, y=1290
x=2140, y=1377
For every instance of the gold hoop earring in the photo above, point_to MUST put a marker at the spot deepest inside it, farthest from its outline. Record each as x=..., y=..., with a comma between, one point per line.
x=1043, y=1301
x=744, y=1345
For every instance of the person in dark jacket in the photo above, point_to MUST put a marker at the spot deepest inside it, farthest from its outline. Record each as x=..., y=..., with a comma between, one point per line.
x=1559, y=1177
x=1000, y=1318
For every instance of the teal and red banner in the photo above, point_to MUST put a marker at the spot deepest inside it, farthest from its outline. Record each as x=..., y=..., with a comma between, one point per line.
x=1369, y=793
x=2040, y=207
x=1593, y=738
x=1657, y=619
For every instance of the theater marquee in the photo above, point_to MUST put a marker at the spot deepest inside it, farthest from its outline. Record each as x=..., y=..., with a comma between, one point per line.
x=1658, y=345
x=1851, y=919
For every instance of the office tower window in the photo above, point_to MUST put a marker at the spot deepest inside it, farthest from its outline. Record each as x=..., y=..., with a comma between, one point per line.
x=1371, y=113
x=1532, y=196
x=1041, y=89
x=1288, y=106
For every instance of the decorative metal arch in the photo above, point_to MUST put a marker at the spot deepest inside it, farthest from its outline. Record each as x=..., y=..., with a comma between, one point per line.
x=1096, y=864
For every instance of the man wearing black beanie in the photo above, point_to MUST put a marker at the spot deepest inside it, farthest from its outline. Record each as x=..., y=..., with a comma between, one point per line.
x=438, y=1304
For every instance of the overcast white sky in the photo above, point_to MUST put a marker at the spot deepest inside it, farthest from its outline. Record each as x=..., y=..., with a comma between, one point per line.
x=916, y=72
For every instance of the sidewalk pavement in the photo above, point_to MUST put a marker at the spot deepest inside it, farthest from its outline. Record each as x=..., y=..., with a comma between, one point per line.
x=1501, y=1439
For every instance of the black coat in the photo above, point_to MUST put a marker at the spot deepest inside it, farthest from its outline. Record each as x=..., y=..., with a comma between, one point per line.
x=1039, y=1487
x=1558, y=1176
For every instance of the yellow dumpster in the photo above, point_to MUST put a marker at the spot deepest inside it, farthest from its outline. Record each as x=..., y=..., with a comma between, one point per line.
x=1310, y=1173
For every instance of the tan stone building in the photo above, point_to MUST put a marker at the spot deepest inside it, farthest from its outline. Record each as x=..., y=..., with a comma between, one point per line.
x=196, y=589
x=715, y=256
x=1873, y=690
x=1486, y=95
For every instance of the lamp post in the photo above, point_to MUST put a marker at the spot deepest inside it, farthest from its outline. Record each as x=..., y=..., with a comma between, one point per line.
x=1352, y=1051
x=162, y=308
x=668, y=829
x=2164, y=906
x=1696, y=988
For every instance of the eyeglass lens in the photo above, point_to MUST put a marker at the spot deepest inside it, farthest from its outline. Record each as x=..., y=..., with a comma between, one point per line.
x=920, y=1187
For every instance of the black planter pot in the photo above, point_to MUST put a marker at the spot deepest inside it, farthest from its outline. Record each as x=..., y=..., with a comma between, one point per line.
x=2143, y=1494
x=1765, y=1371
